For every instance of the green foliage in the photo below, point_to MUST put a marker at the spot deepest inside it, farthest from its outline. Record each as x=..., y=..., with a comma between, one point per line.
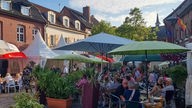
x=25, y=100
x=54, y=85
x=178, y=73
x=59, y=87
x=134, y=27
x=103, y=26
x=135, y=18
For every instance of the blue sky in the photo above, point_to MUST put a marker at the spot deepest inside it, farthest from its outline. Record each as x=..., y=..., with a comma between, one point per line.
x=115, y=11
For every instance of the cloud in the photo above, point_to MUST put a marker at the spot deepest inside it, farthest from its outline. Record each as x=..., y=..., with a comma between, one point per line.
x=115, y=20
x=117, y=6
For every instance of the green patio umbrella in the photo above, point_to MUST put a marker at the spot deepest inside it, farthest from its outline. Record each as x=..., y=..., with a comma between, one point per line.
x=148, y=47
x=73, y=57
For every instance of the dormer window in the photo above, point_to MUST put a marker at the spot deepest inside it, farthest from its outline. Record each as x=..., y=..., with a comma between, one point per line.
x=6, y=4
x=66, y=21
x=77, y=25
x=51, y=17
x=25, y=10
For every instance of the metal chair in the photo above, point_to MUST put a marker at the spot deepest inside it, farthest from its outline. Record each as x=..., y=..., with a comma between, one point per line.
x=10, y=84
x=116, y=102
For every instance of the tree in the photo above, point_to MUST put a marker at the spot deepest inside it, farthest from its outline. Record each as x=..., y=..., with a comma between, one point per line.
x=103, y=26
x=134, y=27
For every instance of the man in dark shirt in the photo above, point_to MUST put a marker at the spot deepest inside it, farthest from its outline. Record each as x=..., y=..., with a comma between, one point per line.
x=132, y=94
x=121, y=89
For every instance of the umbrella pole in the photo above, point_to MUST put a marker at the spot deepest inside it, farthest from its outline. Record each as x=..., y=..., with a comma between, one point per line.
x=102, y=64
x=146, y=73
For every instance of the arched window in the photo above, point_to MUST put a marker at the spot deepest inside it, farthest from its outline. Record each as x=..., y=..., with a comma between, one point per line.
x=66, y=21
x=77, y=25
x=51, y=17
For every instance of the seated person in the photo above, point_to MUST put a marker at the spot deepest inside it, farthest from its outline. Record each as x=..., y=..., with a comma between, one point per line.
x=156, y=91
x=168, y=86
x=119, y=92
x=18, y=77
x=116, y=83
x=132, y=94
x=8, y=78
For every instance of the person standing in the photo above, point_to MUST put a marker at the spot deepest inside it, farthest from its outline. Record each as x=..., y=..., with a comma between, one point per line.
x=26, y=78
x=65, y=69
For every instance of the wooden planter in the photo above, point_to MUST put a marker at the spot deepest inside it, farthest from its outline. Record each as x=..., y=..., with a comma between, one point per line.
x=90, y=95
x=59, y=103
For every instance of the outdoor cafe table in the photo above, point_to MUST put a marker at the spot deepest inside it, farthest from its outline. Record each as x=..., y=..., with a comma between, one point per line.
x=158, y=103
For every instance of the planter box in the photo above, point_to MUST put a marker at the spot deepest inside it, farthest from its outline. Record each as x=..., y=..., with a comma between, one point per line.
x=90, y=96
x=59, y=103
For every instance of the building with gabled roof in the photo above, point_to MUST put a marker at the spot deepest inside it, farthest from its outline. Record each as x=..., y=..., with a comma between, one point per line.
x=69, y=23
x=176, y=33
x=19, y=21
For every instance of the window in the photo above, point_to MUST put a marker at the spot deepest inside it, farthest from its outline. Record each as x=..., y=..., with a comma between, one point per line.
x=6, y=5
x=51, y=17
x=34, y=32
x=67, y=40
x=77, y=25
x=52, y=40
x=25, y=10
x=20, y=33
x=66, y=21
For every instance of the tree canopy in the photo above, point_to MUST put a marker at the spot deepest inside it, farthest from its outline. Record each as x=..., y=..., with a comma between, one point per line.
x=103, y=26
x=134, y=27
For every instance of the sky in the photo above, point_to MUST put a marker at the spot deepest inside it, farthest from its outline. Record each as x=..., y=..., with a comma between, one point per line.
x=115, y=11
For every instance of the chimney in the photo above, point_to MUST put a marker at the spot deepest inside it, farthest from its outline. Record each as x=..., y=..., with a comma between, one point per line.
x=86, y=13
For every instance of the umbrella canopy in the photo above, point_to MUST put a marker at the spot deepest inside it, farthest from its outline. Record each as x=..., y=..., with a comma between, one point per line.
x=97, y=60
x=13, y=55
x=148, y=47
x=74, y=57
x=6, y=47
x=151, y=57
x=108, y=59
x=101, y=43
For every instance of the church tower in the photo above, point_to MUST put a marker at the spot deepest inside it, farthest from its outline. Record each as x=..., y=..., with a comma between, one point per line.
x=157, y=24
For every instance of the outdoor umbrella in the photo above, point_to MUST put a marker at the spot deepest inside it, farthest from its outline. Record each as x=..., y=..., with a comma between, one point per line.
x=110, y=60
x=6, y=47
x=73, y=57
x=79, y=58
x=13, y=55
x=151, y=57
x=148, y=47
x=101, y=43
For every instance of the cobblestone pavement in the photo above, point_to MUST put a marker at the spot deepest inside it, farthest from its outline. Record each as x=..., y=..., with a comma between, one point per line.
x=6, y=100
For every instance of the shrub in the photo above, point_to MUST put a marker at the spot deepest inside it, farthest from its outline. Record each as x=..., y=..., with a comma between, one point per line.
x=25, y=100
x=178, y=73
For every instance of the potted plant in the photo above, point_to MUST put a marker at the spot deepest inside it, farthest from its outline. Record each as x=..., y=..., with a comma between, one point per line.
x=58, y=89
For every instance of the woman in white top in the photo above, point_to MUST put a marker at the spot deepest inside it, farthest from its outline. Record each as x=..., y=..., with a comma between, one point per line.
x=8, y=78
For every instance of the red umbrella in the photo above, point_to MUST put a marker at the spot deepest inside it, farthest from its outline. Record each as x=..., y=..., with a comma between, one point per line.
x=110, y=60
x=12, y=55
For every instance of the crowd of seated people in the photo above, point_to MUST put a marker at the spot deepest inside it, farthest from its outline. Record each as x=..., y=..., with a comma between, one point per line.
x=125, y=85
